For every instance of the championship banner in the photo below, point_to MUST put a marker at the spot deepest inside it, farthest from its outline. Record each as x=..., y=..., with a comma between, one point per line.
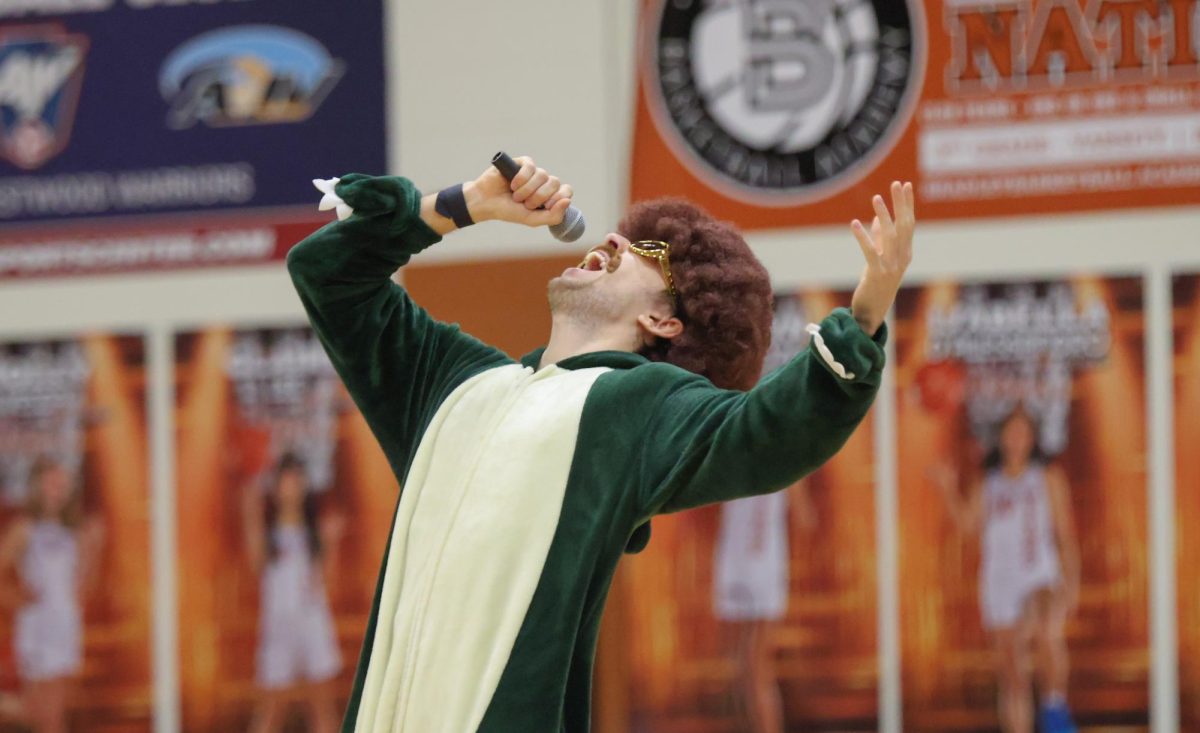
x=284, y=501
x=1022, y=504
x=113, y=111
x=1187, y=498
x=75, y=626
x=776, y=113
x=762, y=608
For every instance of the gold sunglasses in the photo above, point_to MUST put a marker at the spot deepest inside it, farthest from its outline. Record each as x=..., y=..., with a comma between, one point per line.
x=660, y=251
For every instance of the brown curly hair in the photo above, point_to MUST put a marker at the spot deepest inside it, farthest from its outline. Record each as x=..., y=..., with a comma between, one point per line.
x=725, y=297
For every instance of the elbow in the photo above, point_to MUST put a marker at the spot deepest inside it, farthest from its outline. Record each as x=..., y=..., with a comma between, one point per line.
x=297, y=262
x=305, y=266
x=307, y=256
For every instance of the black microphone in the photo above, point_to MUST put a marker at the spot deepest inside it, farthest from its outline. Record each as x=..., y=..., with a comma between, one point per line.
x=572, y=225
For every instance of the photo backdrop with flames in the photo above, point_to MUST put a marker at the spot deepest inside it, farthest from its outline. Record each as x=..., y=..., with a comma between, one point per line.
x=1072, y=353
x=1187, y=491
x=81, y=402
x=244, y=397
x=678, y=661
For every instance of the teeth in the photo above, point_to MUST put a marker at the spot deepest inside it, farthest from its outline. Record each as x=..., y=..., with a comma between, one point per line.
x=594, y=261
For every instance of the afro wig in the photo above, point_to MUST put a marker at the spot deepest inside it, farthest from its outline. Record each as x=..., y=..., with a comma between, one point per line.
x=725, y=297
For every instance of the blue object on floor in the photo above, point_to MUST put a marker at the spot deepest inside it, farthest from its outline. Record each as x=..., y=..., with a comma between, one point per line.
x=1056, y=719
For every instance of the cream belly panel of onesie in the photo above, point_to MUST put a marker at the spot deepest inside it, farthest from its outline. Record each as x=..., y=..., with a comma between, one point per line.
x=477, y=514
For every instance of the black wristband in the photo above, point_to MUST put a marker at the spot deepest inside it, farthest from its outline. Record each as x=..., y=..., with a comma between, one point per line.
x=452, y=204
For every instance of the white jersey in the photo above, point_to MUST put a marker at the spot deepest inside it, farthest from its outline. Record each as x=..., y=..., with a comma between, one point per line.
x=1020, y=554
x=297, y=642
x=49, y=631
x=751, y=570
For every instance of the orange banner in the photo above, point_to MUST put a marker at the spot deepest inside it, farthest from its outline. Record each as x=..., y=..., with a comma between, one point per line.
x=1022, y=504
x=75, y=594
x=1187, y=500
x=284, y=499
x=781, y=112
x=758, y=610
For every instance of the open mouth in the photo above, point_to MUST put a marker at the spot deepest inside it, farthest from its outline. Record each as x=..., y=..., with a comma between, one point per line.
x=600, y=258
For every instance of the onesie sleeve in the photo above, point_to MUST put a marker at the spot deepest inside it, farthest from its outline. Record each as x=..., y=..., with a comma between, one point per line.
x=397, y=362
x=705, y=444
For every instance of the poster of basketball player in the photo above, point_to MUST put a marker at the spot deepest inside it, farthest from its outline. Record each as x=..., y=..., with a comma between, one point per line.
x=1022, y=494
x=74, y=536
x=279, y=483
x=1187, y=495
x=758, y=615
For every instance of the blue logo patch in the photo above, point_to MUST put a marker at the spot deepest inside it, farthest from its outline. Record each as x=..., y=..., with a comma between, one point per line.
x=41, y=71
x=247, y=75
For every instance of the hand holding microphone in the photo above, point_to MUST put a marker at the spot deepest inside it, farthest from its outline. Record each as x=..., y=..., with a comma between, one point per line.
x=516, y=190
x=572, y=225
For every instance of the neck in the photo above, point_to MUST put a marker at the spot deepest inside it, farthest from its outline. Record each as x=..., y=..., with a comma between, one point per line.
x=568, y=337
x=1015, y=467
x=290, y=515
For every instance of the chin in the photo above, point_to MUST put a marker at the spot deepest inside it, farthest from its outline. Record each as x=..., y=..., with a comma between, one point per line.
x=574, y=297
x=558, y=291
x=564, y=284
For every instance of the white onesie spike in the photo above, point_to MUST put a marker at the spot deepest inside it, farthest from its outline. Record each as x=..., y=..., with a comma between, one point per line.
x=815, y=331
x=331, y=200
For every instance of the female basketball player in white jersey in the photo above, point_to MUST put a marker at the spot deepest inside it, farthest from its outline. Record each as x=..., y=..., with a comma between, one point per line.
x=1029, y=574
x=750, y=591
x=294, y=551
x=48, y=559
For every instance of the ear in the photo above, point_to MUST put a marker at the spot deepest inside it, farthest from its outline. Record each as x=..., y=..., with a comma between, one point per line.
x=667, y=327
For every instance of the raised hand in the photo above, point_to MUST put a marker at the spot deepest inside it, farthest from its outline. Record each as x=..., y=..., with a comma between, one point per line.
x=533, y=198
x=887, y=249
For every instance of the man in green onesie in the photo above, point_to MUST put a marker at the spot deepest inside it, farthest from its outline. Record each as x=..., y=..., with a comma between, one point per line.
x=524, y=481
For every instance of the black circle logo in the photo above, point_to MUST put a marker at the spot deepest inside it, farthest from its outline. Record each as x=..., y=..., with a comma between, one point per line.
x=776, y=102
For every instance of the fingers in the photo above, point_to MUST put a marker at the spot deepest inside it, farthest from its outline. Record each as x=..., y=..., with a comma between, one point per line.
x=902, y=204
x=524, y=174
x=531, y=185
x=564, y=192
x=535, y=187
x=543, y=193
x=549, y=216
x=543, y=196
x=899, y=203
x=885, y=219
x=869, y=250
x=893, y=229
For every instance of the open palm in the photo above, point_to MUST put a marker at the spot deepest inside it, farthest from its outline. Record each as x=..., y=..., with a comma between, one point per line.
x=887, y=249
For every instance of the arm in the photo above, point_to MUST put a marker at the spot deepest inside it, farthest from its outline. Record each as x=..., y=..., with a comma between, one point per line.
x=396, y=361
x=801, y=507
x=1064, y=532
x=332, y=529
x=253, y=530
x=91, y=538
x=715, y=445
x=966, y=512
x=706, y=444
x=13, y=594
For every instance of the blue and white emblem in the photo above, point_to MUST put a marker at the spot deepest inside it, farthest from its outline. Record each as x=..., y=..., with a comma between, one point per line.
x=247, y=75
x=41, y=71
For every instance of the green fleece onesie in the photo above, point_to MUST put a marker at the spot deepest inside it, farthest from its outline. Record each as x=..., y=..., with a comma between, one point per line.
x=522, y=487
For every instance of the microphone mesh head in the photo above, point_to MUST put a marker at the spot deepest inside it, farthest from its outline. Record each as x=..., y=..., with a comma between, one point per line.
x=571, y=227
